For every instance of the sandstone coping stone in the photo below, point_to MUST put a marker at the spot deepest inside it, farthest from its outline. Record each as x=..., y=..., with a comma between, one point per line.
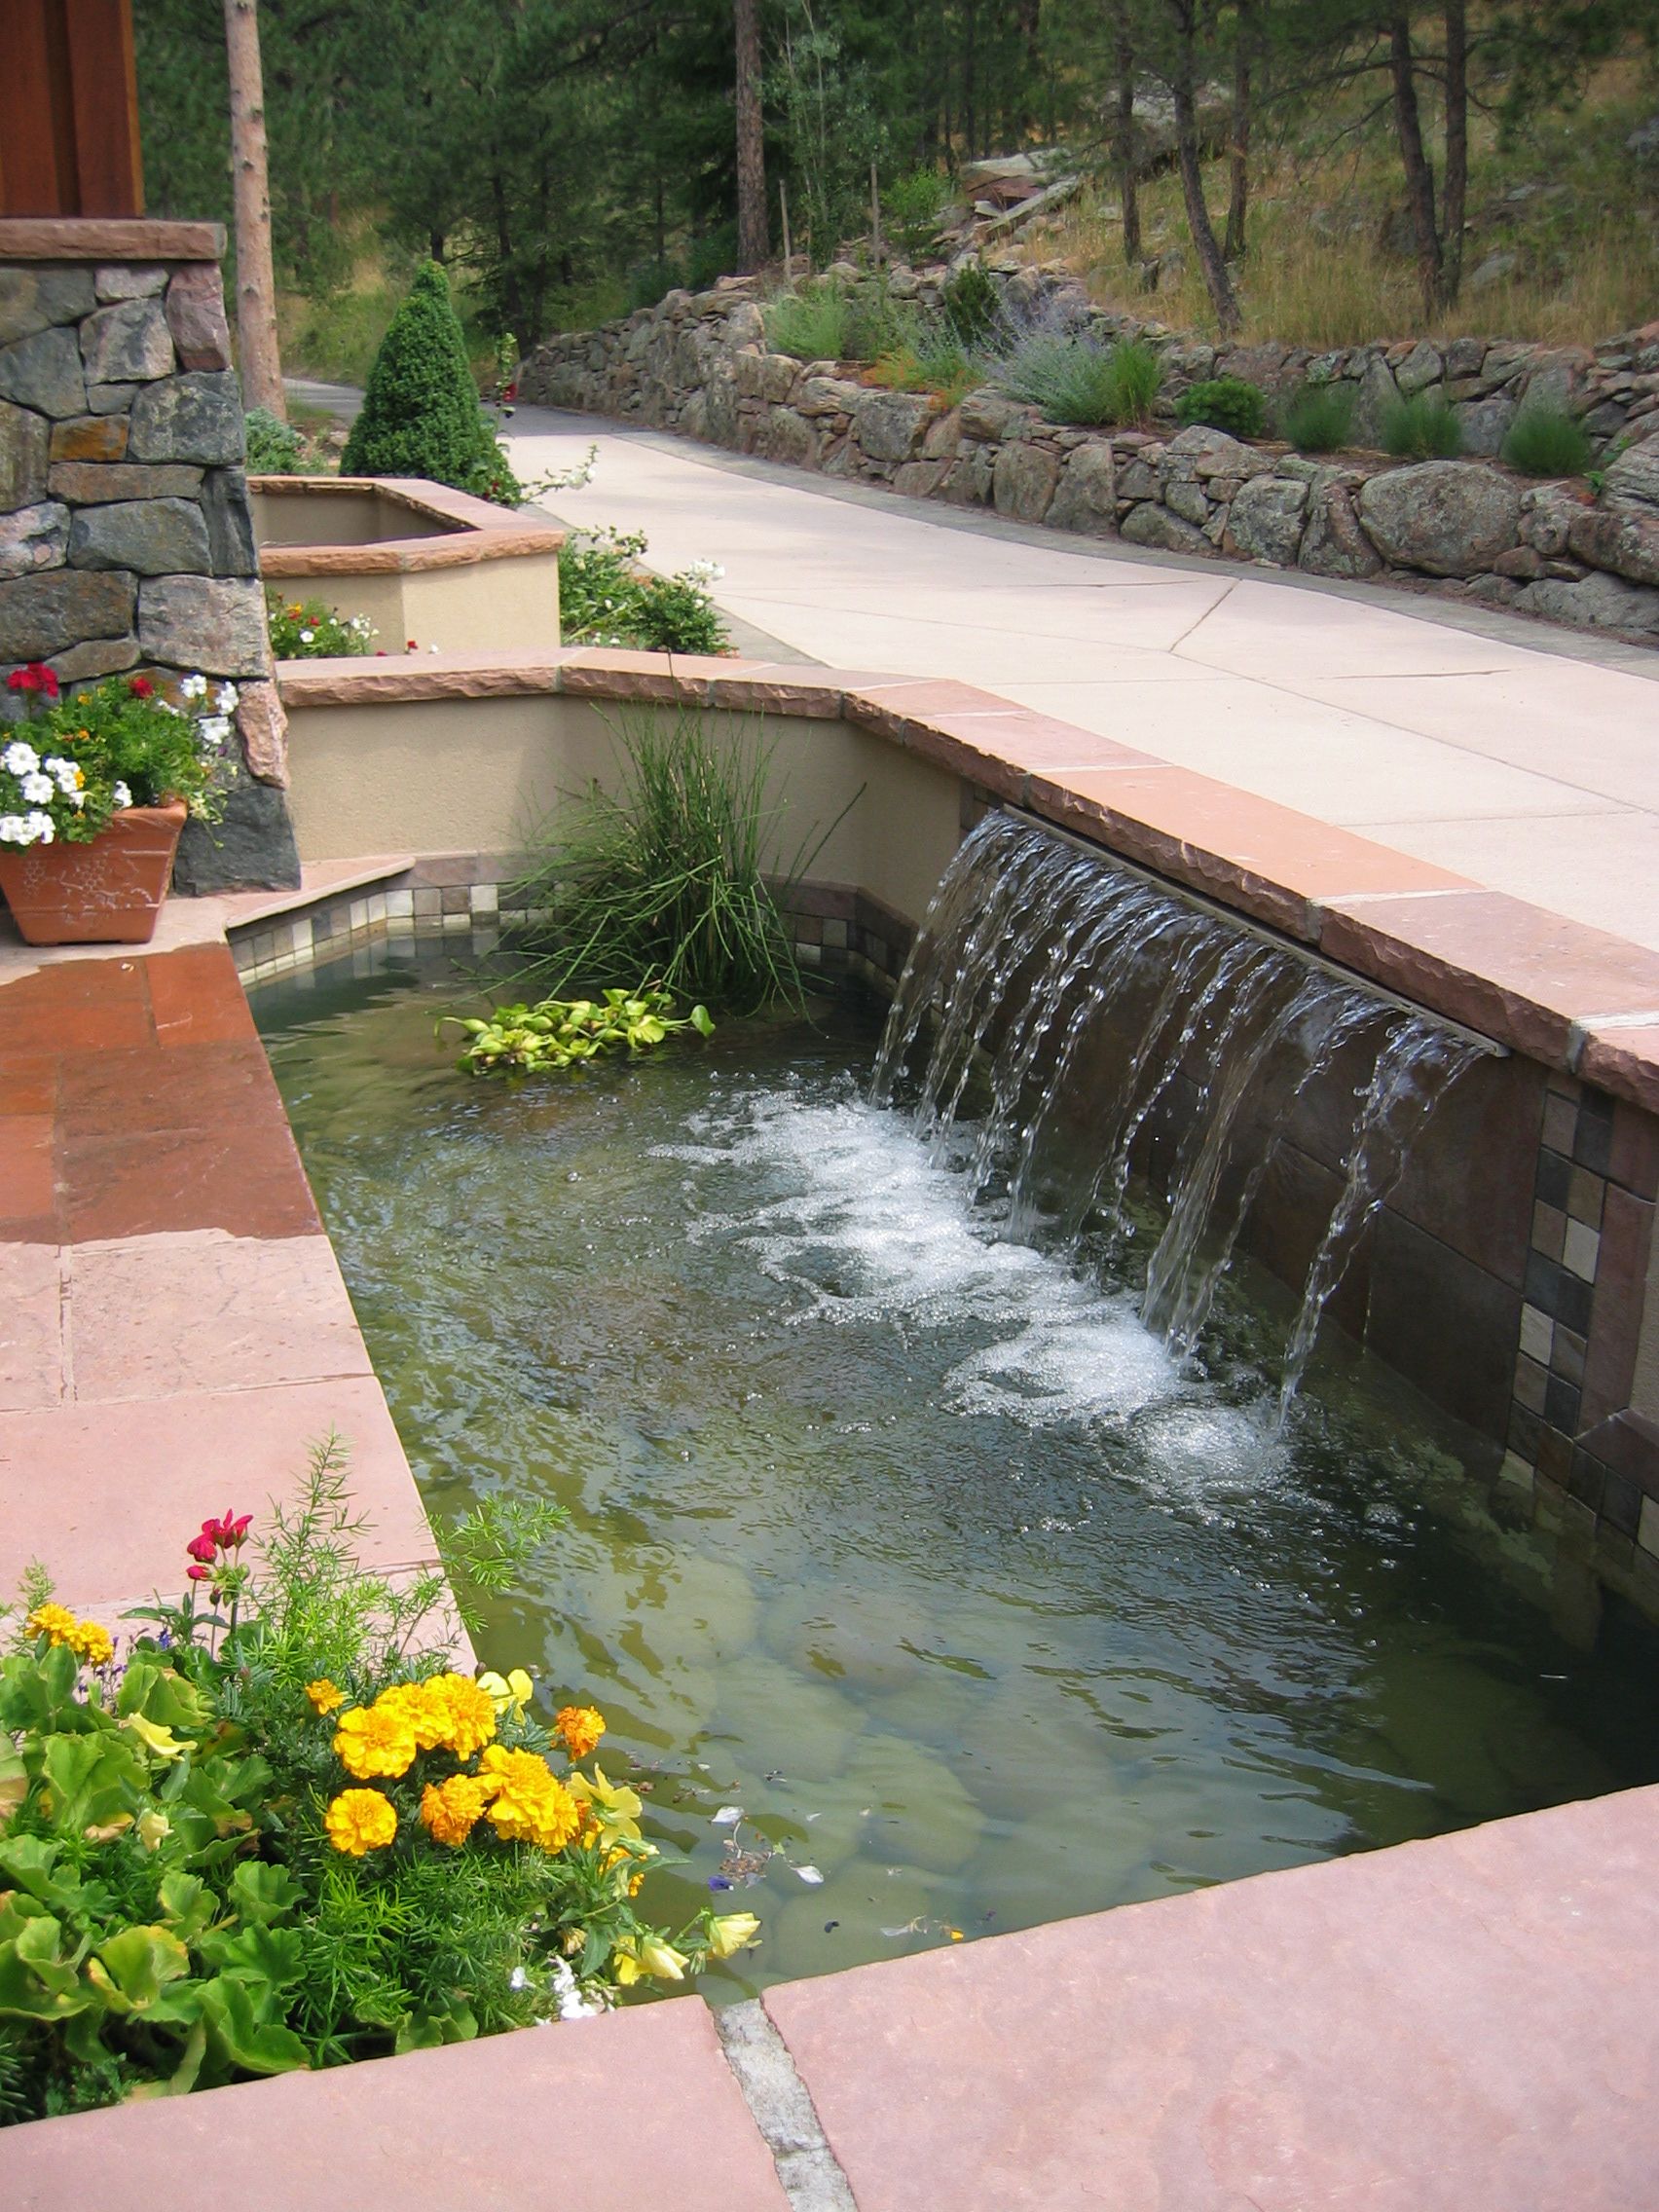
x=195, y=417
x=23, y=455
x=44, y=373
x=90, y=437
x=196, y=318
x=121, y=281
x=38, y=299
x=1450, y=518
x=1267, y=519
x=154, y=537
x=108, y=238
x=44, y=613
x=888, y=423
x=212, y=623
x=1023, y=479
x=128, y=342
x=33, y=537
x=90, y=483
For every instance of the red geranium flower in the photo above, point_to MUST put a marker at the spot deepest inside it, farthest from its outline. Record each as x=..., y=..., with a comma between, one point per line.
x=198, y=1574
x=140, y=687
x=36, y=677
x=204, y=1548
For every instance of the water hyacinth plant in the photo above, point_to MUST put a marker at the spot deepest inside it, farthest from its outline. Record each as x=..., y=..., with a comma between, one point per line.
x=562, y=1033
x=282, y=1829
x=77, y=762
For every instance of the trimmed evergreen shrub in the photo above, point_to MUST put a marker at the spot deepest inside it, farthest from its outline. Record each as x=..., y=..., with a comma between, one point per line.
x=420, y=414
x=1545, y=440
x=1223, y=403
x=1320, y=419
x=1421, y=429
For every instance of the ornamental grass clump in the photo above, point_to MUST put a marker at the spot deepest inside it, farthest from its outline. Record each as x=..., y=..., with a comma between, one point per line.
x=812, y=324
x=1075, y=378
x=1319, y=417
x=671, y=877
x=77, y=762
x=1545, y=440
x=282, y=1829
x=1421, y=429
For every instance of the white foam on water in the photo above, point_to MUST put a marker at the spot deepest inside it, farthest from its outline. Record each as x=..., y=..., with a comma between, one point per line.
x=853, y=1214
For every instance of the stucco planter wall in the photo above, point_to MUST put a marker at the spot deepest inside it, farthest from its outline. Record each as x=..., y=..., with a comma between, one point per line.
x=1469, y=528
x=422, y=561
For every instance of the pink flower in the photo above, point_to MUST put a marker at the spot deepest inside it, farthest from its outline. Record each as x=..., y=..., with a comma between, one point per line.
x=198, y=1574
x=36, y=677
x=202, y=1548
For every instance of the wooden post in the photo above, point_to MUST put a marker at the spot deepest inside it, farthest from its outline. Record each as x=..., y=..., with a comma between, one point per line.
x=783, y=211
x=68, y=109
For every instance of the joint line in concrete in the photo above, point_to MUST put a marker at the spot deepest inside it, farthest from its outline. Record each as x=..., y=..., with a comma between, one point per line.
x=783, y=2110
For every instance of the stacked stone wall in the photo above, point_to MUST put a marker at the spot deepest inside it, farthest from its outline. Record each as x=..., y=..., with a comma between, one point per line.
x=1584, y=552
x=126, y=535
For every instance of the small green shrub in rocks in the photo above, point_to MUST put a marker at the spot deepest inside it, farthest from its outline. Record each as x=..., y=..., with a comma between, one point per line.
x=813, y=323
x=1319, y=417
x=1421, y=429
x=971, y=304
x=911, y=207
x=1223, y=403
x=1545, y=440
x=274, y=447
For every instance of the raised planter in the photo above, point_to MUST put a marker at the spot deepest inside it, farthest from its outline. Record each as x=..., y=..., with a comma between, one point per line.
x=423, y=563
x=109, y=892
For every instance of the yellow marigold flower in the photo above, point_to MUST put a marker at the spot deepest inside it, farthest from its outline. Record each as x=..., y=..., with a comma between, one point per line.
x=531, y=1804
x=470, y=1714
x=325, y=1696
x=582, y=1728
x=55, y=1621
x=420, y=1709
x=92, y=1644
x=451, y=1809
x=361, y=1821
x=371, y=1741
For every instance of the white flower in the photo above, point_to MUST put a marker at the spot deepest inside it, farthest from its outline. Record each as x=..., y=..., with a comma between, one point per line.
x=431, y=649
x=705, y=572
x=40, y=828
x=18, y=759
x=37, y=790
x=12, y=830
x=518, y=1978
x=121, y=798
x=193, y=687
x=307, y=637
x=212, y=730
x=68, y=776
x=226, y=698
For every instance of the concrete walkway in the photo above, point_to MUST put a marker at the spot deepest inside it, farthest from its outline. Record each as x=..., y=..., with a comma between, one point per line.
x=1523, y=757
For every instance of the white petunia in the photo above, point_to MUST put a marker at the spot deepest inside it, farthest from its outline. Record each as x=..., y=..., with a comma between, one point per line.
x=307, y=637
x=225, y=699
x=213, y=729
x=18, y=759
x=37, y=790
x=193, y=687
x=121, y=798
x=41, y=831
x=69, y=777
x=11, y=831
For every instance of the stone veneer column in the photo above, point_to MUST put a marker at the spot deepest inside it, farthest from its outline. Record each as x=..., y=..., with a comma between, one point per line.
x=126, y=536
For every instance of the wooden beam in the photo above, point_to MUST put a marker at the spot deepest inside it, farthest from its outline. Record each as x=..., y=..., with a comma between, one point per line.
x=69, y=140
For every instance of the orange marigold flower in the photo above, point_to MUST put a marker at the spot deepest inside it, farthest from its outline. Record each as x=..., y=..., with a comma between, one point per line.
x=470, y=1713
x=580, y=1727
x=531, y=1804
x=361, y=1821
x=421, y=1709
x=370, y=1741
x=325, y=1696
x=451, y=1809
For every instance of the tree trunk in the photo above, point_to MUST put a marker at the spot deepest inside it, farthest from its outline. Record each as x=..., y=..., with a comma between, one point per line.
x=256, y=280
x=753, y=227
x=1419, y=176
x=1182, y=88
x=1124, y=130
x=1456, y=152
x=1238, y=198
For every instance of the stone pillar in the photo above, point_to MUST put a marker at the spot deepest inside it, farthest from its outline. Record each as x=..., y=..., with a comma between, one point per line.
x=126, y=536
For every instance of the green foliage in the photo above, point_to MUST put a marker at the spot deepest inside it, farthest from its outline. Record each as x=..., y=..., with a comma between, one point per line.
x=1319, y=417
x=420, y=415
x=1421, y=429
x=272, y=446
x=79, y=760
x=814, y=323
x=911, y=210
x=1225, y=403
x=310, y=629
x=932, y=358
x=669, y=878
x=562, y=1033
x=1547, y=441
x=971, y=304
x=1074, y=379
x=605, y=598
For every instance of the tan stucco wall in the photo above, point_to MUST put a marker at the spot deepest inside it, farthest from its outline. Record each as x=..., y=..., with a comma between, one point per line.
x=304, y=517
x=478, y=775
x=496, y=605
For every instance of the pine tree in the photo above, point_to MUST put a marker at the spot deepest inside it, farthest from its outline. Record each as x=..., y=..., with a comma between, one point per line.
x=420, y=414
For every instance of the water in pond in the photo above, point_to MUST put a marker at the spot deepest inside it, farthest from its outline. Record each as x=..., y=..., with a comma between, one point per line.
x=925, y=1588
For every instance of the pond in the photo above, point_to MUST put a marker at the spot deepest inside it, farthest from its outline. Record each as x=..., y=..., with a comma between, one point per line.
x=926, y=1592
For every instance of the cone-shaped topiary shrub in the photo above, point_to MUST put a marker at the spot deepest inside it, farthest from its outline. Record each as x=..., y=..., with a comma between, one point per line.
x=420, y=414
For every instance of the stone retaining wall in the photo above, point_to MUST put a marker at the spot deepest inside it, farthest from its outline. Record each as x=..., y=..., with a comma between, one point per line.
x=1468, y=529
x=126, y=536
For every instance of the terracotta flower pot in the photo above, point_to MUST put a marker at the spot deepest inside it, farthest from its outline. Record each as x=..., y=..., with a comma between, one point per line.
x=105, y=893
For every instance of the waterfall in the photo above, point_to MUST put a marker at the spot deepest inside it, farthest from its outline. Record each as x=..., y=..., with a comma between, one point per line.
x=1072, y=1036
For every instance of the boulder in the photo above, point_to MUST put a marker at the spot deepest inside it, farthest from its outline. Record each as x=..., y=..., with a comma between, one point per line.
x=154, y=537
x=212, y=623
x=1595, y=603
x=1634, y=475
x=98, y=657
x=1548, y=513
x=1620, y=534
x=33, y=537
x=827, y=395
x=197, y=417
x=34, y=298
x=1333, y=544
x=1152, y=525
x=1377, y=392
x=250, y=848
x=123, y=283
x=1023, y=478
x=1485, y=424
x=1266, y=520
x=1201, y=453
x=1188, y=501
x=788, y=436
x=1086, y=495
x=44, y=373
x=24, y=456
x=989, y=413
x=1449, y=518
x=889, y=425
x=196, y=318
x=1422, y=366
x=46, y=612
x=111, y=398
x=126, y=343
